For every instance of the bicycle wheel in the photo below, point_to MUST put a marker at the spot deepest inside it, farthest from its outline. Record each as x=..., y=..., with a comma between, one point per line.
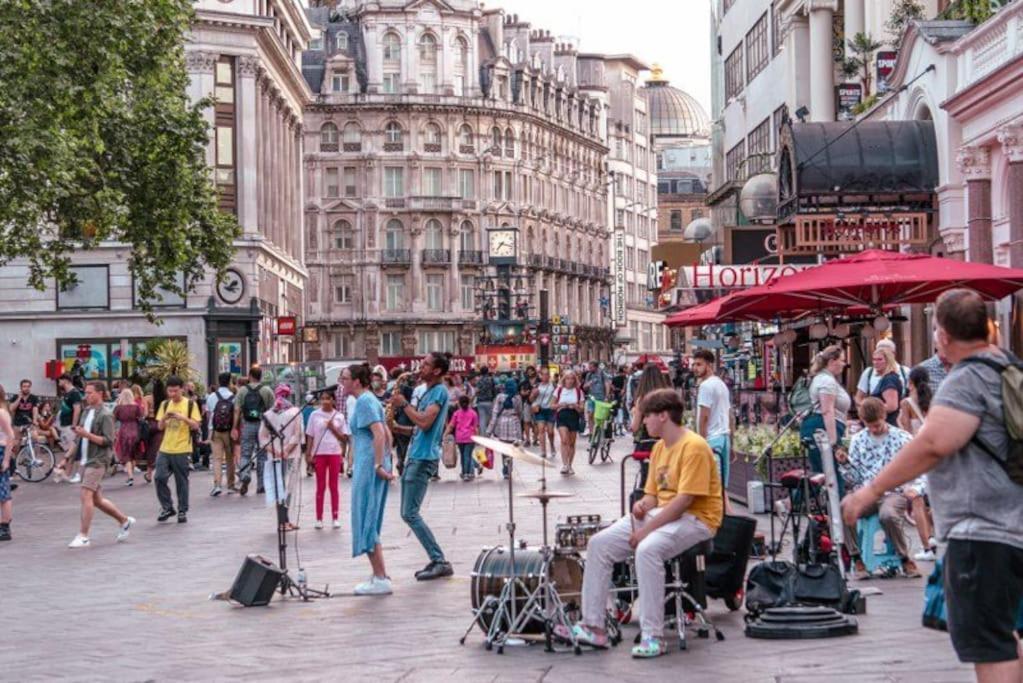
x=594, y=448
x=35, y=469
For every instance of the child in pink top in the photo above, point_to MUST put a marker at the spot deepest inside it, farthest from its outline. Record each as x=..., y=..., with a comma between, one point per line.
x=465, y=423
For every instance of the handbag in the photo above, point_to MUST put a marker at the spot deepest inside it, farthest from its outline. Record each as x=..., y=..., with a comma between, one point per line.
x=820, y=584
x=770, y=584
x=449, y=452
x=934, y=615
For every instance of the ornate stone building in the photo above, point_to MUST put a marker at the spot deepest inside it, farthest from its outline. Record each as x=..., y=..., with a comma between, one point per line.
x=433, y=124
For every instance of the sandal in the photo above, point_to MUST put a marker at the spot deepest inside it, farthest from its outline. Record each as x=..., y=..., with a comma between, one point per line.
x=148, y=477
x=648, y=648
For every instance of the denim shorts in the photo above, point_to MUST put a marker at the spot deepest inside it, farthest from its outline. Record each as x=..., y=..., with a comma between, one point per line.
x=5, y=481
x=544, y=415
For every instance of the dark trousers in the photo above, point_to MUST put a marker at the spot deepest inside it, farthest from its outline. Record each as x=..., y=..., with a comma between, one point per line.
x=401, y=444
x=166, y=465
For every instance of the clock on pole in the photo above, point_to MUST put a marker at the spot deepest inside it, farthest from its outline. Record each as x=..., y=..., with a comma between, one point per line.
x=503, y=245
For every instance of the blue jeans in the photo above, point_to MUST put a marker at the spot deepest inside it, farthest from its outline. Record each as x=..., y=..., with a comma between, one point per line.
x=251, y=455
x=812, y=423
x=468, y=463
x=484, y=409
x=722, y=447
x=414, y=481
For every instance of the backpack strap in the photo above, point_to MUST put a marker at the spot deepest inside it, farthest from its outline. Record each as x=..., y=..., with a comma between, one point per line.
x=999, y=368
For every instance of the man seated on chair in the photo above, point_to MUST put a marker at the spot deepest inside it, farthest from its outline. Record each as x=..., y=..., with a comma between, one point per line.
x=870, y=450
x=681, y=507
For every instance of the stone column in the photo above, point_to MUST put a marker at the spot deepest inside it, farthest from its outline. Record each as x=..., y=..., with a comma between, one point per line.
x=854, y=18
x=455, y=292
x=266, y=220
x=245, y=122
x=260, y=162
x=822, y=66
x=416, y=284
x=1011, y=138
x=200, y=66
x=975, y=165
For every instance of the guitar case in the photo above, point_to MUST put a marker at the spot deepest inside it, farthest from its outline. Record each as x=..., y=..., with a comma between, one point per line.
x=726, y=563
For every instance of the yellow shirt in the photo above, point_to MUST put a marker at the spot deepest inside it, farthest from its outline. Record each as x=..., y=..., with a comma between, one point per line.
x=687, y=467
x=177, y=437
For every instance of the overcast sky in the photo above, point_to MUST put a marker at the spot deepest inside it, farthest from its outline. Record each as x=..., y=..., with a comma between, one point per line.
x=672, y=33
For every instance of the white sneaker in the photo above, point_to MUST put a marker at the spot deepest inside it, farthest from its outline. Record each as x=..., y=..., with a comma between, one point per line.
x=337, y=524
x=318, y=524
x=125, y=529
x=375, y=586
x=79, y=542
x=925, y=556
x=77, y=479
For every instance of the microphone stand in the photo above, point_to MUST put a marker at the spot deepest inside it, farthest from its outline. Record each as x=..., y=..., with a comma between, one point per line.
x=768, y=453
x=287, y=585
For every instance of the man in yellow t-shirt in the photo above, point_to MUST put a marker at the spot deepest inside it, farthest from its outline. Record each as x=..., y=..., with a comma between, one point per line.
x=177, y=417
x=682, y=506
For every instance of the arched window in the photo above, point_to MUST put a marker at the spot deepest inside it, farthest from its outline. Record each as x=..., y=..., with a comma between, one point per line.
x=392, y=48
x=352, y=138
x=431, y=138
x=341, y=42
x=393, y=133
x=509, y=143
x=434, y=234
x=467, y=237
x=466, y=143
x=394, y=235
x=344, y=236
x=328, y=136
x=495, y=140
x=428, y=49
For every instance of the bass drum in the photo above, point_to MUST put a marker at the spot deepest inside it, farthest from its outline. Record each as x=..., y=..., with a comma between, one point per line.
x=493, y=566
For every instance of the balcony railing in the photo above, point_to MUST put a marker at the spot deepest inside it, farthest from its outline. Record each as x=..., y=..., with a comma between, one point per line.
x=552, y=263
x=470, y=258
x=396, y=257
x=328, y=146
x=434, y=203
x=535, y=260
x=436, y=257
x=352, y=147
x=394, y=146
x=394, y=202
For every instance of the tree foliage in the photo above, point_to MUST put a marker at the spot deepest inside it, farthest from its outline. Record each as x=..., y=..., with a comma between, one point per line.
x=99, y=142
x=862, y=47
x=903, y=12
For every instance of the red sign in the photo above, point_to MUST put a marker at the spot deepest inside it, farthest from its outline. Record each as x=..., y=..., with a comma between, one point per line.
x=286, y=326
x=506, y=358
x=459, y=364
x=54, y=369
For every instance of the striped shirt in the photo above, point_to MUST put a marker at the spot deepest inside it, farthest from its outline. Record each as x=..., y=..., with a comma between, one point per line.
x=936, y=372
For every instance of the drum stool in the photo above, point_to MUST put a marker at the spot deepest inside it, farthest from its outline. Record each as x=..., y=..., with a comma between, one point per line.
x=685, y=594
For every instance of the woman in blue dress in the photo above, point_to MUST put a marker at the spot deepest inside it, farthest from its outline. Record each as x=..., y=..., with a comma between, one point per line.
x=371, y=476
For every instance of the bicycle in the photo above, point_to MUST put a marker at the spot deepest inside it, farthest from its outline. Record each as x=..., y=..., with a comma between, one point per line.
x=35, y=461
x=602, y=435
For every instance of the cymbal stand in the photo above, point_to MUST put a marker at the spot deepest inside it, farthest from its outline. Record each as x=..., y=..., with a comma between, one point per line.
x=505, y=610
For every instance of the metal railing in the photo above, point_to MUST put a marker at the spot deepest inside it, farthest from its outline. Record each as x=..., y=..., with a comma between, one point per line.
x=396, y=257
x=436, y=256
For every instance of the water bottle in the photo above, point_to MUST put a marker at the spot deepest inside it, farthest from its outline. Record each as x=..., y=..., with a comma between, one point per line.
x=301, y=580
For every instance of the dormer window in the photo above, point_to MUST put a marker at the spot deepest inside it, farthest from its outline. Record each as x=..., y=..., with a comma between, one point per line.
x=341, y=42
x=340, y=82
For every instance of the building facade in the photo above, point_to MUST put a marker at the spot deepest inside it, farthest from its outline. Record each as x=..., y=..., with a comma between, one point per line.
x=247, y=53
x=974, y=98
x=444, y=138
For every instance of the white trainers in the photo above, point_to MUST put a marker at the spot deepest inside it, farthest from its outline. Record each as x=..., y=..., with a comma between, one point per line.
x=375, y=586
x=125, y=529
x=77, y=479
x=925, y=556
x=318, y=524
x=80, y=541
x=337, y=524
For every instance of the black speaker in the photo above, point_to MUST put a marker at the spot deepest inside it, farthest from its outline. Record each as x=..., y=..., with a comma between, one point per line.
x=256, y=581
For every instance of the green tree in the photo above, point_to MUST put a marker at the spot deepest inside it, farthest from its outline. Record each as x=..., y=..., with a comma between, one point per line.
x=862, y=47
x=903, y=12
x=98, y=142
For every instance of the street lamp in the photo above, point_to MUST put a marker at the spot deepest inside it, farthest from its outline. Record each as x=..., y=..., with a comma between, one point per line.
x=758, y=199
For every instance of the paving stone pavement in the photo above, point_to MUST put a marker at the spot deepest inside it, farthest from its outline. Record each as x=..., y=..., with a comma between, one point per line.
x=139, y=611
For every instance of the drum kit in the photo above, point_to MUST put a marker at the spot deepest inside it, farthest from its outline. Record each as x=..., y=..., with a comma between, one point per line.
x=519, y=594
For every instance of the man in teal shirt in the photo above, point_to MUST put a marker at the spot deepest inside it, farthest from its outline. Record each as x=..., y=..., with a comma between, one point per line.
x=429, y=417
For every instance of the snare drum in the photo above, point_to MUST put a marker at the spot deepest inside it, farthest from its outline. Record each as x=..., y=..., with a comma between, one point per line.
x=576, y=532
x=494, y=565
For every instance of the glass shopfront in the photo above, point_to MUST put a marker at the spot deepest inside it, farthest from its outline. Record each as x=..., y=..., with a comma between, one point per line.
x=104, y=359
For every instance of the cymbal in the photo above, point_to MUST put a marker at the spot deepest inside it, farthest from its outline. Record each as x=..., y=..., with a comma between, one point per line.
x=511, y=450
x=545, y=494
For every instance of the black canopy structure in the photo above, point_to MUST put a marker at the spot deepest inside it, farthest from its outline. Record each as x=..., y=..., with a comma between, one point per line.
x=845, y=166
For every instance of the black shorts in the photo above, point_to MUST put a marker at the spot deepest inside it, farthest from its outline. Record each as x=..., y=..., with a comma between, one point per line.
x=983, y=590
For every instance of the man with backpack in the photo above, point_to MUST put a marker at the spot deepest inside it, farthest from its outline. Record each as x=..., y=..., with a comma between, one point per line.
x=253, y=399
x=220, y=408
x=971, y=448
x=485, y=394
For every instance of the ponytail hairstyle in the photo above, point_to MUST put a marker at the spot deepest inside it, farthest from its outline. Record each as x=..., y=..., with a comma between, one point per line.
x=921, y=379
x=823, y=357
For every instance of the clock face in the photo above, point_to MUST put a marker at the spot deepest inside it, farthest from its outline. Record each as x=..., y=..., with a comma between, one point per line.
x=232, y=288
x=502, y=243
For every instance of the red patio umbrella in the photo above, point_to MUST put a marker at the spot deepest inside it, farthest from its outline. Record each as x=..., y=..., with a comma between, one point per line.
x=708, y=313
x=872, y=279
x=653, y=359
